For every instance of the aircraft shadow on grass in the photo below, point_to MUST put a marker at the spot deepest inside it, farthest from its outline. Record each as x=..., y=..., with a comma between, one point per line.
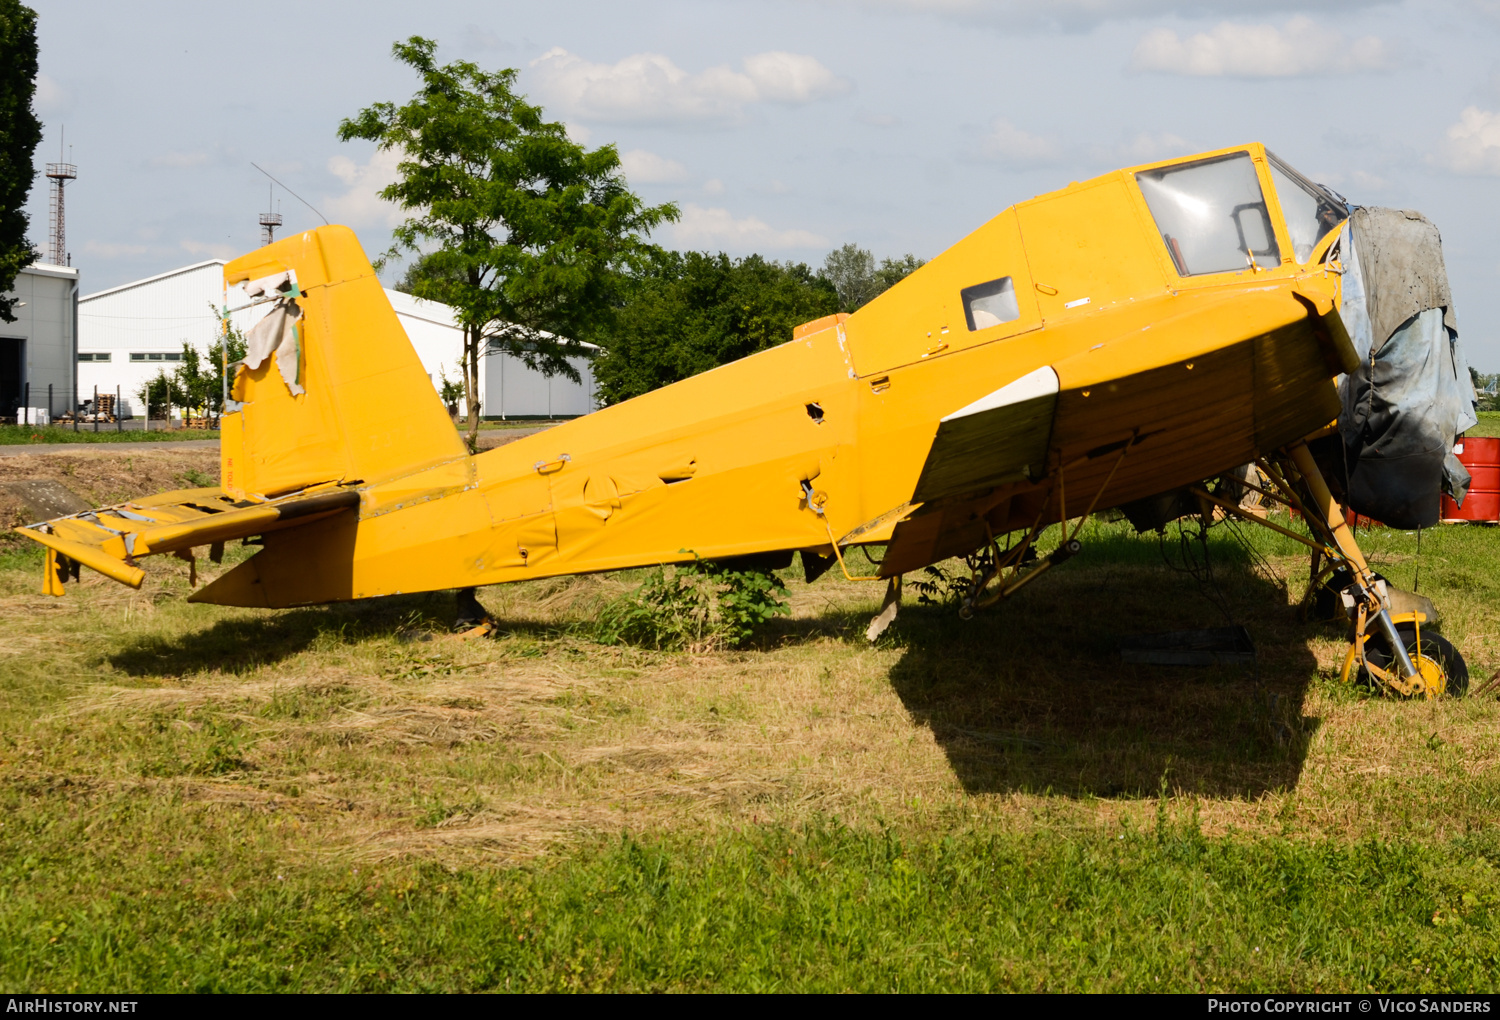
x=1033, y=696
x=241, y=645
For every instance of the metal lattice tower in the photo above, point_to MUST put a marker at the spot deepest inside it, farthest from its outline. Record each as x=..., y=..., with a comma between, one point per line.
x=60, y=174
x=269, y=221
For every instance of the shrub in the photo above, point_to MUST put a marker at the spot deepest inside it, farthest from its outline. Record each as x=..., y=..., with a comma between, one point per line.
x=699, y=606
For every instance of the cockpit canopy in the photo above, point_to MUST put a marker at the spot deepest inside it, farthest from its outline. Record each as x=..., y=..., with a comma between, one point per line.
x=1213, y=216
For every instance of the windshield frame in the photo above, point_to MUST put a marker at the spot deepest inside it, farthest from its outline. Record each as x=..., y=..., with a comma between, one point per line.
x=1319, y=191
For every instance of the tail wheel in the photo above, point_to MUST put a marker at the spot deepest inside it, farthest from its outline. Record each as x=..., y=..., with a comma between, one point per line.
x=1441, y=666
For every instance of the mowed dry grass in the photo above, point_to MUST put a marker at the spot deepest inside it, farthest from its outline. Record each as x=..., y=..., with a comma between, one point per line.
x=369, y=731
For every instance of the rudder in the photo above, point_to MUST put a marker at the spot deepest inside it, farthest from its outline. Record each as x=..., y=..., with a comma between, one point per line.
x=367, y=411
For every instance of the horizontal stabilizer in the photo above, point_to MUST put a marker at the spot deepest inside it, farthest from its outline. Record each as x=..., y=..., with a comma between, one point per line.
x=110, y=539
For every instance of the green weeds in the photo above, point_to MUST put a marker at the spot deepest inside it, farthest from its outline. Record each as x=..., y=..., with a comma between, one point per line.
x=700, y=606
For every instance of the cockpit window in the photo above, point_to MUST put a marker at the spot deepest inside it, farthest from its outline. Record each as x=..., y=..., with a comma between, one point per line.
x=1311, y=211
x=990, y=304
x=1211, y=215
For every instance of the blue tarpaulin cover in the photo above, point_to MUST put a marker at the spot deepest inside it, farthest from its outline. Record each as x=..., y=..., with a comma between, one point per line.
x=1412, y=394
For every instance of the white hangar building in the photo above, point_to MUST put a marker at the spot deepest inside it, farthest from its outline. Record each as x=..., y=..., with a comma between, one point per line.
x=129, y=333
x=36, y=351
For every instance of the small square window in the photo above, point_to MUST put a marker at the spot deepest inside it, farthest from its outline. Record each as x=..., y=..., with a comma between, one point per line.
x=172, y=357
x=990, y=304
x=137, y=357
x=153, y=357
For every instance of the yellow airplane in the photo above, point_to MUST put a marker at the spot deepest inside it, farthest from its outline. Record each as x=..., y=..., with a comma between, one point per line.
x=1124, y=337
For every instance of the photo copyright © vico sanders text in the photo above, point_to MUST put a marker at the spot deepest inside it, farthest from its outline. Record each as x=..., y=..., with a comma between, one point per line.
x=1364, y=1005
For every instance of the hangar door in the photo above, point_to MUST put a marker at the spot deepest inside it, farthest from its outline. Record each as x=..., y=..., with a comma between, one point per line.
x=11, y=349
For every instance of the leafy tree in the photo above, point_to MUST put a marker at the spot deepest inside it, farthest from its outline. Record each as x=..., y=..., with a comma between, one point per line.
x=160, y=393
x=851, y=270
x=422, y=270
x=893, y=271
x=689, y=312
x=450, y=393
x=526, y=234
x=197, y=384
x=201, y=377
x=20, y=132
x=854, y=275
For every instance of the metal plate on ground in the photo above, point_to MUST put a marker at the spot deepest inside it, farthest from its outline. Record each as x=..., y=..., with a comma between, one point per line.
x=1216, y=646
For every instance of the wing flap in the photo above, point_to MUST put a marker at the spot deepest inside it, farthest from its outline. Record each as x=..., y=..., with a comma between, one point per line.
x=999, y=438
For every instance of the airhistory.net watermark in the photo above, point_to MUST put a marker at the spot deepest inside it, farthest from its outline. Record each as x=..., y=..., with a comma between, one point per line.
x=67, y=1004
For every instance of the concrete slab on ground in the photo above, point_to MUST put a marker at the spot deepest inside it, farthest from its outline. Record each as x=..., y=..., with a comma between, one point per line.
x=46, y=498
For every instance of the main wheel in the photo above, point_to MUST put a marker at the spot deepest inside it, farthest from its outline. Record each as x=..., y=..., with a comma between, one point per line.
x=1441, y=665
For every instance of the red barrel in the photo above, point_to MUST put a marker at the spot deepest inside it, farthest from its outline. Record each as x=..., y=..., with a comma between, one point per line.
x=1482, y=458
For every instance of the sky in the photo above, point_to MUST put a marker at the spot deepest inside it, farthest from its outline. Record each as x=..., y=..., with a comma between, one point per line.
x=783, y=127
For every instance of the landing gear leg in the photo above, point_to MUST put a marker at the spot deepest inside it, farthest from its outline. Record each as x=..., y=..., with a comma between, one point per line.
x=473, y=619
x=1416, y=665
x=1418, y=668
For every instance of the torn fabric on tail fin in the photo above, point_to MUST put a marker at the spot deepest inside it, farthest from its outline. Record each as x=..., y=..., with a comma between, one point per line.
x=1412, y=393
x=277, y=333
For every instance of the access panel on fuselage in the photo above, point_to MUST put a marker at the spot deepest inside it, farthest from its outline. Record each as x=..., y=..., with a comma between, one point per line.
x=1090, y=249
x=975, y=292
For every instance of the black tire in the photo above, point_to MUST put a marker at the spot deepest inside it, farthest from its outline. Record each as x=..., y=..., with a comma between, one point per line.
x=1434, y=646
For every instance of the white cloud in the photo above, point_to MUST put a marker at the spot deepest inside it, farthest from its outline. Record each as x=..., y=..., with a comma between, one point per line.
x=178, y=160
x=109, y=250
x=1080, y=15
x=211, y=250
x=52, y=100
x=1230, y=49
x=1014, y=147
x=642, y=167
x=1472, y=146
x=650, y=88
x=360, y=204
x=702, y=228
x=795, y=78
x=713, y=186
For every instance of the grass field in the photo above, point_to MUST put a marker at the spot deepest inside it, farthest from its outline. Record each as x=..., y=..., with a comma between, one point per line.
x=1489, y=425
x=34, y=435
x=349, y=798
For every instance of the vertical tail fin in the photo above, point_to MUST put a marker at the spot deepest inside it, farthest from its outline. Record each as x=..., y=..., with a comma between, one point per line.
x=337, y=392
